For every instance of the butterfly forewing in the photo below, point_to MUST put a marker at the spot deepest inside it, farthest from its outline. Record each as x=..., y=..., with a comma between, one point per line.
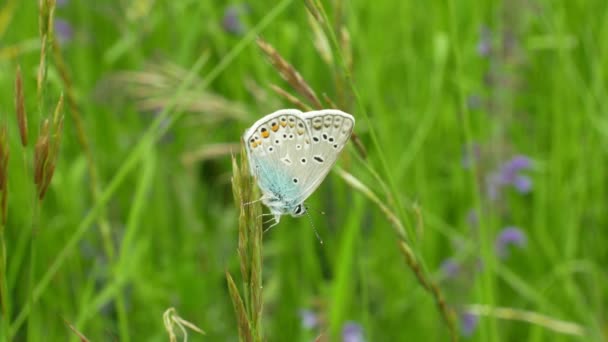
x=278, y=146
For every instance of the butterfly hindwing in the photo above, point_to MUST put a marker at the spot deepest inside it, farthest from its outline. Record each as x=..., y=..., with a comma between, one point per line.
x=330, y=131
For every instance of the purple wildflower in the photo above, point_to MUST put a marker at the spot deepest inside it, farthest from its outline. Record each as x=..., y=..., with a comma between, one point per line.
x=352, y=332
x=64, y=30
x=308, y=318
x=484, y=46
x=61, y=3
x=510, y=174
x=509, y=236
x=523, y=184
x=450, y=267
x=473, y=218
x=468, y=323
x=232, y=22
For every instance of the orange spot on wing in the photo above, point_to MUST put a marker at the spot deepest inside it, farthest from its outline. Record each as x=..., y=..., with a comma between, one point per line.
x=274, y=127
x=265, y=134
x=283, y=123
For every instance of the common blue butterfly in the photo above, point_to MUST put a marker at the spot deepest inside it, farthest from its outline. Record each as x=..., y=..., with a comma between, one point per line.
x=291, y=152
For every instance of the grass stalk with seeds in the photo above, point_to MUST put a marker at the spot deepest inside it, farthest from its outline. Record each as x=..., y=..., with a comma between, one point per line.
x=249, y=309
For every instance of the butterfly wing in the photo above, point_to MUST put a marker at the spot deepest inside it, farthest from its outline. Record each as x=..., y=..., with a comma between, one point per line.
x=330, y=130
x=276, y=146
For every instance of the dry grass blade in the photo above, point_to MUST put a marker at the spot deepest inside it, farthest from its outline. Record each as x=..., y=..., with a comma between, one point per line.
x=289, y=73
x=531, y=317
x=444, y=309
x=171, y=319
x=80, y=335
x=290, y=98
x=153, y=88
x=362, y=188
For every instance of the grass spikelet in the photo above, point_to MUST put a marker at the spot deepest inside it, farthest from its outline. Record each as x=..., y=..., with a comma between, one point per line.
x=289, y=73
x=245, y=333
x=290, y=98
x=171, y=320
x=41, y=77
x=47, y=150
x=320, y=40
x=20, y=107
x=250, y=252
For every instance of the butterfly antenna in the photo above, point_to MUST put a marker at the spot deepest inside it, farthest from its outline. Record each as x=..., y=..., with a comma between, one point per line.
x=313, y=227
x=315, y=209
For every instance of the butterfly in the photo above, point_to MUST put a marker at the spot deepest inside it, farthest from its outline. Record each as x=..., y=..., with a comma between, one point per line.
x=290, y=153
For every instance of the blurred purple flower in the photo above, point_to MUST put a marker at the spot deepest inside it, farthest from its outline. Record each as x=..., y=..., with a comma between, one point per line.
x=470, y=155
x=61, y=3
x=468, y=323
x=474, y=102
x=232, y=22
x=308, y=318
x=507, y=237
x=484, y=46
x=352, y=332
x=450, y=267
x=510, y=174
x=64, y=30
x=473, y=218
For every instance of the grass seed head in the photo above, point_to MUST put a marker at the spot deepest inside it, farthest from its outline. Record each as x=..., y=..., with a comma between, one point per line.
x=20, y=107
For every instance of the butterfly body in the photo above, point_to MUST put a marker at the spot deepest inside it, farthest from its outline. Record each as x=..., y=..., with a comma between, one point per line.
x=291, y=152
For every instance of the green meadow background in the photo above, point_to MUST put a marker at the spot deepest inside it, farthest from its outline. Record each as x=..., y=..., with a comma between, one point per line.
x=473, y=196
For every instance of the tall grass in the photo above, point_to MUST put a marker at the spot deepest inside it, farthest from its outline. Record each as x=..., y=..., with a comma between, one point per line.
x=140, y=214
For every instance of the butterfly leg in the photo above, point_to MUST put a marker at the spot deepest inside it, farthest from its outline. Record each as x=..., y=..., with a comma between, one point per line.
x=249, y=203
